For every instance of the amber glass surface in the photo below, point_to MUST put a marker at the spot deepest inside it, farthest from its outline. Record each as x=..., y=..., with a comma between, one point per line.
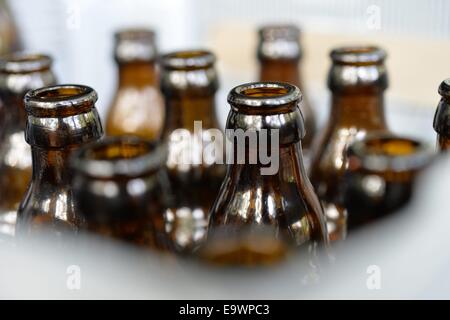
x=138, y=107
x=9, y=41
x=60, y=120
x=245, y=246
x=121, y=190
x=189, y=84
x=283, y=199
x=357, y=108
x=279, y=54
x=380, y=176
x=441, y=121
x=18, y=73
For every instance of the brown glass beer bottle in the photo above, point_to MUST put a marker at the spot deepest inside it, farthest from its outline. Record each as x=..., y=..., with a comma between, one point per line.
x=19, y=73
x=138, y=108
x=266, y=182
x=279, y=54
x=120, y=189
x=189, y=83
x=380, y=176
x=9, y=40
x=60, y=120
x=357, y=80
x=441, y=121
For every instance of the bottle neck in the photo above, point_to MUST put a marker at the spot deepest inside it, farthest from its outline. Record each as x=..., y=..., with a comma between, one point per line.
x=286, y=165
x=51, y=167
x=365, y=110
x=281, y=70
x=183, y=110
x=137, y=74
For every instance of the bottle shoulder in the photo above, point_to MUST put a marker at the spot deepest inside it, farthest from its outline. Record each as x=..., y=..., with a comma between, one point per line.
x=287, y=205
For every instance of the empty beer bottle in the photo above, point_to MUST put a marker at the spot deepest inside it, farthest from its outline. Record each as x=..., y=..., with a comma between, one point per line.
x=19, y=72
x=120, y=188
x=380, y=176
x=279, y=54
x=189, y=83
x=266, y=182
x=138, y=108
x=441, y=122
x=357, y=80
x=60, y=120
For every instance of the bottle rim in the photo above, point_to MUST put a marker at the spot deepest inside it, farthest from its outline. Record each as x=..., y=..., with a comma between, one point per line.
x=279, y=42
x=358, y=55
x=188, y=59
x=134, y=44
x=60, y=100
x=264, y=94
x=134, y=34
x=93, y=159
x=279, y=32
x=24, y=62
x=376, y=152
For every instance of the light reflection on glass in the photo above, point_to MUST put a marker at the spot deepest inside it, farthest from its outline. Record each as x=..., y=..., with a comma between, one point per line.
x=7, y=224
x=187, y=227
x=301, y=230
x=138, y=110
x=19, y=153
x=61, y=206
x=241, y=204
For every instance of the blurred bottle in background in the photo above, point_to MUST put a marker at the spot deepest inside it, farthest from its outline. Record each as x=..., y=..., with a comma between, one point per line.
x=441, y=121
x=189, y=83
x=138, y=107
x=60, y=120
x=275, y=192
x=357, y=80
x=280, y=54
x=121, y=188
x=9, y=40
x=19, y=72
x=380, y=176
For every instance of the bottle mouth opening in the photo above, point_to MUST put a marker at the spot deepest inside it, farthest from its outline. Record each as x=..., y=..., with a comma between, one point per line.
x=279, y=32
x=358, y=55
x=188, y=60
x=444, y=88
x=387, y=152
x=119, y=156
x=21, y=62
x=60, y=100
x=264, y=94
